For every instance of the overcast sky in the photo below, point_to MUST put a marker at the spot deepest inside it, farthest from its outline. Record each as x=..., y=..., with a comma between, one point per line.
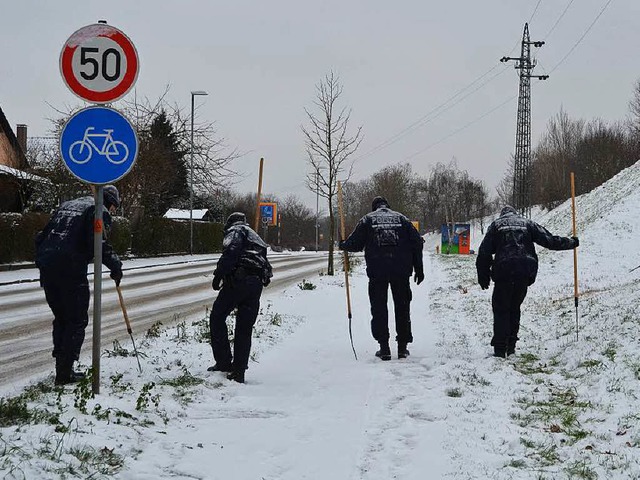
x=398, y=61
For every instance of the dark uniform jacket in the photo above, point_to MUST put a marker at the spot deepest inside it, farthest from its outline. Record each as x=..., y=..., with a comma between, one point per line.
x=66, y=243
x=243, y=253
x=511, y=239
x=392, y=246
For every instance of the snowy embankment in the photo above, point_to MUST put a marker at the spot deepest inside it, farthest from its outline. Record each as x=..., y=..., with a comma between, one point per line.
x=559, y=408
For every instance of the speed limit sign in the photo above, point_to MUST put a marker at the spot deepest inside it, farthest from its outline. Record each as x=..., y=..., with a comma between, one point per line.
x=99, y=63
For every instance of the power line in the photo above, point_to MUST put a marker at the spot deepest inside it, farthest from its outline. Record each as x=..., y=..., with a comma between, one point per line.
x=476, y=120
x=425, y=118
x=558, y=20
x=583, y=36
x=534, y=11
x=390, y=140
x=439, y=109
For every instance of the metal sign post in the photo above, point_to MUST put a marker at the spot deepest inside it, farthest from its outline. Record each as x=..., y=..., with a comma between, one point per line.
x=97, y=290
x=98, y=145
x=265, y=228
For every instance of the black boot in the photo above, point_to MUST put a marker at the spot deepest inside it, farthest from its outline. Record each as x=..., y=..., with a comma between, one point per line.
x=65, y=373
x=499, y=352
x=236, y=376
x=402, y=350
x=385, y=352
x=219, y=368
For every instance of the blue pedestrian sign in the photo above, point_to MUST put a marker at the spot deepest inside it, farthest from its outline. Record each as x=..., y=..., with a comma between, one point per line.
x=98, y=145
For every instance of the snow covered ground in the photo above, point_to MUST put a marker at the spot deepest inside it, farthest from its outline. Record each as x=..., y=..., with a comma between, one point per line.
x=559, y=408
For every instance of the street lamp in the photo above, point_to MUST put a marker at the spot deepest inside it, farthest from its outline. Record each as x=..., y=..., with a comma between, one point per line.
x=193, y=94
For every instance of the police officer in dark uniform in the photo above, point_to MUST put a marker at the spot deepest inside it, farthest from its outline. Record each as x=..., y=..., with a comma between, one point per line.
x=508, y=256
x=64, y=249
x=241, y=272
x=392, y=250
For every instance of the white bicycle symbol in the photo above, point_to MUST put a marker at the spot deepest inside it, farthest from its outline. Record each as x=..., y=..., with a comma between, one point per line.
x=115, y=151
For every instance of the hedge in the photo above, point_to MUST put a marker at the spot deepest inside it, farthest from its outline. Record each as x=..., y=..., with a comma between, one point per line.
x=17, y=235
x=155, y=236
x=120, y=235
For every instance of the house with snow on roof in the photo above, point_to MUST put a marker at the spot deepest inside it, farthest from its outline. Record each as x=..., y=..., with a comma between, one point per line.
x=199, y=215
x=13, y=166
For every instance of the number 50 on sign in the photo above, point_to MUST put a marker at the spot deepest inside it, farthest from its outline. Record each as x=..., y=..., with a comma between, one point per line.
x=99, y=63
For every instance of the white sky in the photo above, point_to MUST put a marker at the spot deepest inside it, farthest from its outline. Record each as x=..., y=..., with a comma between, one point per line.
x=398, y=61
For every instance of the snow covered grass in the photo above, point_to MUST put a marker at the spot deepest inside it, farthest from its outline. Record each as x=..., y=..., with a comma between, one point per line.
x=561, y=408
x=558, y=409
x=60, y=432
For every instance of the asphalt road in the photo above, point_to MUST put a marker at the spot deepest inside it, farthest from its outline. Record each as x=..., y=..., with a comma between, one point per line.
x=163, y=292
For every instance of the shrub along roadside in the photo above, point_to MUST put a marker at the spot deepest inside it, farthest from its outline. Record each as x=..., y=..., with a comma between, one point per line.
x=155, y=236
x=152, y=236
x=17, y=235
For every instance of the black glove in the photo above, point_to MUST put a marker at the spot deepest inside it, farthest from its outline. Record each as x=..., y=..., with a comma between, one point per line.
x=216, y=283
x=575, y=239
x=341, y=245
x=484, y=285
x=266, y=282
x=116, y=275
x=418, y=277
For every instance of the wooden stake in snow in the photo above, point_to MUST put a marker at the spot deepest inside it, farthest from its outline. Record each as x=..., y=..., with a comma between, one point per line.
x=346, y=266
x=126, y=321
x=575, y=250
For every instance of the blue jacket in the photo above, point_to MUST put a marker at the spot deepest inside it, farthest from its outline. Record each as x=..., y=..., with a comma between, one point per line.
x=392, y=246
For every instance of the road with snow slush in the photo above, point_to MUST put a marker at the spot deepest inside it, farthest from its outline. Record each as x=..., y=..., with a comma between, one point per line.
x=161, y=290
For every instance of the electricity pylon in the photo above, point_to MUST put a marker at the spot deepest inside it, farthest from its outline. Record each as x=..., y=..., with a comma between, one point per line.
x=521, y=178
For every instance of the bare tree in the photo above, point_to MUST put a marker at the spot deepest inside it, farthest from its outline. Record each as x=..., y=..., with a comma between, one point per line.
x=594, y=150
x=451, y=195
x=151, y=175
x=298, y=222
x=553, y=158
x=601, y=153
x=329, y=147
x=634, y=110
x=397, y=183
x=504, y=189
x=211, y=160
x=633, y=123
x=55, y=182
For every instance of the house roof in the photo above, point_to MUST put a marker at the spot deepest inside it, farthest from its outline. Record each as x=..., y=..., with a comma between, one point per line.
x=5, y=128
x=21, y=174
x=180, y=214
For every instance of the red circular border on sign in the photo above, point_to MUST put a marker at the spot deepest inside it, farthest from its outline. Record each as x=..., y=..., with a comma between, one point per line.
x=110, y=95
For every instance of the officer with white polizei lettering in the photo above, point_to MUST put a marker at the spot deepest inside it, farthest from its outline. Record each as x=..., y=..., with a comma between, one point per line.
x=241, y=273
x=392, y=250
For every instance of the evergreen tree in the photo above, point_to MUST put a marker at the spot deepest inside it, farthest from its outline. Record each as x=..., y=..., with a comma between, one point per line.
x=161, y=172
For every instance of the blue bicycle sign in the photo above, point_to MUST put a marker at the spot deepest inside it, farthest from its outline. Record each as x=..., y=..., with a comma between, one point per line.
x=98, y=145
x=114, y=151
